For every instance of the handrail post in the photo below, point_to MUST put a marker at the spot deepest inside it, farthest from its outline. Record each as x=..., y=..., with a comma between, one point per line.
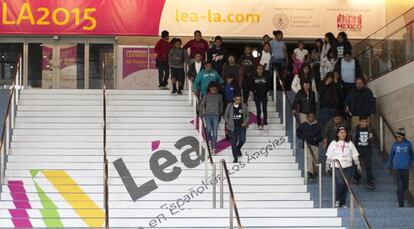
x=12, y=107
x=195, y=112
x=305, y=162
x=189, y=91
x=381, y=127
x=294, y=134
x=2, y=165
x=7, y=128
x=201, y=140
x=231, y=210
x=352, y=211
x=284, y=111
x=333, y=185
x=274, y=88
x=214, y=181
x=320, y=185
x=221, y=184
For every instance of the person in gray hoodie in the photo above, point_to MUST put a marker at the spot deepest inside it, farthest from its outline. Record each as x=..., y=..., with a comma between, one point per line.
x=237, y=120
x=211, y=108
x=177, y=58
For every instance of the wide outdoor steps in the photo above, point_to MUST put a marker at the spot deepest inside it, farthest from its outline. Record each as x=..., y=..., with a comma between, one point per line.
x=55, y=173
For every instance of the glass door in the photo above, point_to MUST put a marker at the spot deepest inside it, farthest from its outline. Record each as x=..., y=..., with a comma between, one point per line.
x=56, y=65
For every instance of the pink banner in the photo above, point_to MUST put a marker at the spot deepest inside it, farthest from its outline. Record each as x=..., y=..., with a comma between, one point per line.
x=134, y=60
x=86, y=17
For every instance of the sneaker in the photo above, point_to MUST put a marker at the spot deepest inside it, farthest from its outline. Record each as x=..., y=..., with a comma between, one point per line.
x=337, y=204
x=179, y=92
x=370, y=186
x=265, y=128
x=173, y=91
x=260, y=127
x=235, y=160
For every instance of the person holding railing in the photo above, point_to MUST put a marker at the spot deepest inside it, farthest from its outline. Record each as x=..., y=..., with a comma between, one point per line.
x=311, y=133
x=211, y=108
x=237, y=120
x=400, y=159
x=343, y=150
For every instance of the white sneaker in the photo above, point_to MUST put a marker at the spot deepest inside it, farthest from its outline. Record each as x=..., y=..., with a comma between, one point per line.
x=265, y=128
x=337, y=204
x=260, y=127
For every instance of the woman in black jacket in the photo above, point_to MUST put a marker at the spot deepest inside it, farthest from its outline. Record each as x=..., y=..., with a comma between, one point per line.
x=305, y=101
x=331, y=95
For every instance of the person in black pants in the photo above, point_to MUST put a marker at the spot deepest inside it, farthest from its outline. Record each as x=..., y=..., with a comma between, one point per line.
x=260, y=89
x=248, y=64
x=162, y=48
x=362, y=136
x=400, y=160
x=237, y=120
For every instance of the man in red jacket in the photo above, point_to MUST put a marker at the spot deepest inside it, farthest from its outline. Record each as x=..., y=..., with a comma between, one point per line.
x=197, y=45
x=162, y=48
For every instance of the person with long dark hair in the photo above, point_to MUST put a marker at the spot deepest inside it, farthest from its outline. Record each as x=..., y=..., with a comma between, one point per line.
x=328, y=63
x=343, y=44
x=304, y=74
x=330, y=42
x=343, y=150
x=315, y=60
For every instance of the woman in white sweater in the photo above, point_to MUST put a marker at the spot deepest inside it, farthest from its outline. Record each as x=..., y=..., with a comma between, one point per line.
x=343, y=150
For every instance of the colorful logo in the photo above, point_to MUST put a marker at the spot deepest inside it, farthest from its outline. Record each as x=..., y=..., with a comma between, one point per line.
x=349, y=22
x=61, y=183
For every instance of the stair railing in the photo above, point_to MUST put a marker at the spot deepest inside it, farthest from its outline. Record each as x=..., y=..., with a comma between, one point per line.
x=9, y=118
x=389, y=48
x=353, y=197
x=105, y=158
x=232, y=200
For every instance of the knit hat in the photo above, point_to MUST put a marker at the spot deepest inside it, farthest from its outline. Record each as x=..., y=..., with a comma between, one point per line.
x=400, y=132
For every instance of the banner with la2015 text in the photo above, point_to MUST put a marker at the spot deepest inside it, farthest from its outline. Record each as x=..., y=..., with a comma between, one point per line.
x=229, y=18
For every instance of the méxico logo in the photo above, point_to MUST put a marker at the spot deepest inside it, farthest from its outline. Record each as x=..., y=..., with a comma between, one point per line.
x=349, y=22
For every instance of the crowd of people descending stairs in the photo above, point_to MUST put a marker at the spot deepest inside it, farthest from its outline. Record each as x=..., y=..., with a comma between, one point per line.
x=332, y=103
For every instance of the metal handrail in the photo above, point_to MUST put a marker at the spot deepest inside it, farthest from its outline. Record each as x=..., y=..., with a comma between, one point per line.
x=106, y=169
x=355, y=198
x=381, y=28
x=7, y=121
x=233, y=204
x=204, y=131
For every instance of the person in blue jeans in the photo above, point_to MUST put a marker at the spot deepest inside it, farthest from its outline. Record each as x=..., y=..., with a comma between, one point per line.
x=400, y=159
x=237, y=120
x=211, y=108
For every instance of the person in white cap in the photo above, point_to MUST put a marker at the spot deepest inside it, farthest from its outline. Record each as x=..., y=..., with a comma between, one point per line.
x=400, y=160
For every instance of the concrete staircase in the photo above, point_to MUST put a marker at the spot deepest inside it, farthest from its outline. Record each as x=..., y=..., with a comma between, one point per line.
x=55, y=171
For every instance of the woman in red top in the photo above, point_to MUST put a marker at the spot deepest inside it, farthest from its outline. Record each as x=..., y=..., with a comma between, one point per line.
x=197, y=45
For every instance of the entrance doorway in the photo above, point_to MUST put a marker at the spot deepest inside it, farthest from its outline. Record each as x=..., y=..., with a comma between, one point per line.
x=56, y=65
x=69, y=63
